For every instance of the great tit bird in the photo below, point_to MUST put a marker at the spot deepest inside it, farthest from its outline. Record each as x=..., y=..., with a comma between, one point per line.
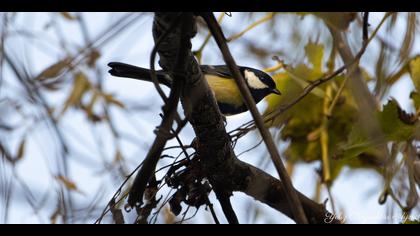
x=218, y=77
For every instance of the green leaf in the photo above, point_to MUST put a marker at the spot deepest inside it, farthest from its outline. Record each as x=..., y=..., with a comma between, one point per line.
x=356, y=148
x=414, y=69
x=337, y=20
x=391, y=122
x=315, y=54
x=411, y=222
x=415, y=97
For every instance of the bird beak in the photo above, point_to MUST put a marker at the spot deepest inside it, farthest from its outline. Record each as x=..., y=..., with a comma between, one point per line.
x=276, y=91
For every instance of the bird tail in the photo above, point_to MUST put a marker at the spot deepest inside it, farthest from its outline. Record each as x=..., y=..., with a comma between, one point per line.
x=129, y=71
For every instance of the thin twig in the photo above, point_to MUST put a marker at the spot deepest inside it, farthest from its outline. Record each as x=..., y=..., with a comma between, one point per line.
x=266, y=18
x=213, y=213
x=365, y=26
x=226, y=205
x=206, y=40
x=116, y=194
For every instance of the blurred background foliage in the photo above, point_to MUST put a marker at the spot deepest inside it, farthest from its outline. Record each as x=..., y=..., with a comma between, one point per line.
x=69, y=136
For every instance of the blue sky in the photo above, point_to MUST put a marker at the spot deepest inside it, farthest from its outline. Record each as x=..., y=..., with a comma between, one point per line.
x=355, y=192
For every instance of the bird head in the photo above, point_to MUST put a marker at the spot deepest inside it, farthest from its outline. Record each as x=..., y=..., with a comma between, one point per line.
x=260, y=83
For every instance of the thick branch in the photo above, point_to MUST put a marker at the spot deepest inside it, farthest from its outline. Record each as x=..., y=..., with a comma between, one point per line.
x=267, y=189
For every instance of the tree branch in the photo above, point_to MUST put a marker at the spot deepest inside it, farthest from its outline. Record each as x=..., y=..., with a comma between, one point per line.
x=267, y=189
x=213, y=145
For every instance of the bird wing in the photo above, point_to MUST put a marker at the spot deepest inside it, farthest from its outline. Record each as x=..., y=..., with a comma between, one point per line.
x=219, y=70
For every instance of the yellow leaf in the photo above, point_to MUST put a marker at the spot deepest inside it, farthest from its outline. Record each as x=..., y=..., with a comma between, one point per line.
x=337, y=20
x=80, y=86
x=415, y=97
x=53, y=70
x=21, y=150
x=67, y=15
x=414, y=68
x=66, y=182
x=315, y=54
x=93, y=57
x=89, y=108
x=110, y=99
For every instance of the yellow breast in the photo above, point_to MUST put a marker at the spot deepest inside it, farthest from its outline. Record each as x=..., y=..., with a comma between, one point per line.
x=225, y=90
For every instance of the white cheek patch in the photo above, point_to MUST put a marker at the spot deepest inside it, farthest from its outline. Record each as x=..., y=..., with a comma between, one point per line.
x=253, y=80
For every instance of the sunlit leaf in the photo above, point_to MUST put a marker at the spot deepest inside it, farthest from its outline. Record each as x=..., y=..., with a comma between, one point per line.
x=414, y=69
x=89, y=109
x=391, y=122
x=80, y=85
x=301, y=74
x=315, y=54
x=110, y=99
x=67, y=15
x=337, y=20
x=415, y=97
x=411, y=222
x=53, y=70
x=70, y=185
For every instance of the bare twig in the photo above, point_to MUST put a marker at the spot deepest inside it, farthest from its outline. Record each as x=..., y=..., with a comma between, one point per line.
x=365, y=26
x=266, y=18
x=227, y=208
x=116, y=194
x=213, y=213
